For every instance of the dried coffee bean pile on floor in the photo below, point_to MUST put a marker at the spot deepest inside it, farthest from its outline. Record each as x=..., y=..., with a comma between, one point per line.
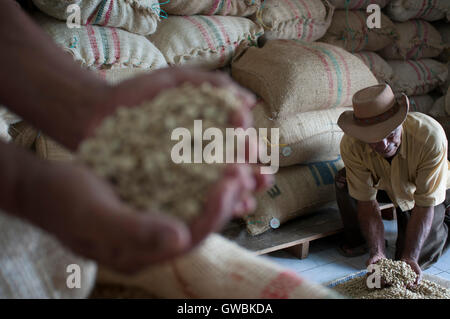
x=132, y=149
x=397, y=275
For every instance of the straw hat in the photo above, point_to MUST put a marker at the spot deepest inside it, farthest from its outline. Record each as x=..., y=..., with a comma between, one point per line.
x=376, y=113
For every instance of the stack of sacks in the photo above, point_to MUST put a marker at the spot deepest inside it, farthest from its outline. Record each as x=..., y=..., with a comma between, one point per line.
x=304, y=87
x=206, y=33
x=306, y=20
x=350, y=30
x=410, y=56
x=111, y=39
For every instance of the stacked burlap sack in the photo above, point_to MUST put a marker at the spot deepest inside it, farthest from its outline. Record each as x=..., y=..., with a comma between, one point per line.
x=417, y=56
x=304, y=87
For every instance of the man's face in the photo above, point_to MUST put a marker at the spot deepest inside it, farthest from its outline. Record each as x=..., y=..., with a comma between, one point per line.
x=388, y=147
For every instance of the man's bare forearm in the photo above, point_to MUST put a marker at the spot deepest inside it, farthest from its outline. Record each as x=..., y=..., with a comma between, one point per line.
x=417, y=231
x=41, y=83
x=371, y=225
x=16, y=167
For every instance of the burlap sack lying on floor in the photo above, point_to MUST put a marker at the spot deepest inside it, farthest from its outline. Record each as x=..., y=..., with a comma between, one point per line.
x=295, y=76
x=379, y=67
x=357, y=4
x=306, y=20
x=103, y=47
x=417, y=77
x=137, y=16
x=417, y=39
x=220, y=269
x=420, y=103
x=204, y=41
x=298, y=190
x=430, y=10
x=34, y=265
x=349, y=30
x=241, y=8
x=304, y=137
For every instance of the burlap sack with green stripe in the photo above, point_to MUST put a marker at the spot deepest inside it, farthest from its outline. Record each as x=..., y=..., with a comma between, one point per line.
x=306, y=20
x=357, y=4
x=420, y=103
x=417, y=77
x=430, y=10
x=417, y=39
x=219, y=269
x=294, y=76
x=303, y=137
x=240, y=8
x=379, y=67
x=298, y=190
x=103, y=47
x=137, y=16
x=349, y=30
x=204, y=41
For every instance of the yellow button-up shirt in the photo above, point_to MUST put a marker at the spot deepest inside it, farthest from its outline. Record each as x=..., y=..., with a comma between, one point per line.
x=417, y=174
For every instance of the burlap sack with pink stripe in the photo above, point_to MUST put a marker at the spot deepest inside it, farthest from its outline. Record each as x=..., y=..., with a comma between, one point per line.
x=379, y=67
x=306, y=20
x=417, y=77
x=137, y=16
x=298, y=190
x=420, y=103
x=430, y=10
x=357, y=4
x=220, y=269
x=417, y=39
x=303, y=137
x=349, y=30
x=103, y=47
x=241, y=8
x=204, y=41
x=294, y=76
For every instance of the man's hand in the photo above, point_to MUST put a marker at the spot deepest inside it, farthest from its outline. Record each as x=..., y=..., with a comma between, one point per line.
x=415, y=266
x=84, y=213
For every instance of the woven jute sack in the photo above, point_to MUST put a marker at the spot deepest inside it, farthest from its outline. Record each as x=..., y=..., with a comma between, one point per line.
x=444, y=30
x=349, y=30
x=417, y=77
x=357, y=4
x=430, y=10
x=103, y=47
x=303, y=137
x=438, y=109
x=379, y=67
x=306, y=20
x=421, y=103
x=298, y=190
x=241, y=8
x=33, y=264
x=115, y=76
x=204, y=41
x=295, y=76
x=417, y=39
x=137, y=16
x=220, y=269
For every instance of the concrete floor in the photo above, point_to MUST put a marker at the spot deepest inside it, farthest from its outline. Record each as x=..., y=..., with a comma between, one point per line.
x=325, y=264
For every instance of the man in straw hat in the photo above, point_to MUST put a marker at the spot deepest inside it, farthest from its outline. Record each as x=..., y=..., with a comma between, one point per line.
x=391, y=155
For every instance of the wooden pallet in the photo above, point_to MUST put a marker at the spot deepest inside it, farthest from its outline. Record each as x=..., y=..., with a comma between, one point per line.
x=294, y=236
